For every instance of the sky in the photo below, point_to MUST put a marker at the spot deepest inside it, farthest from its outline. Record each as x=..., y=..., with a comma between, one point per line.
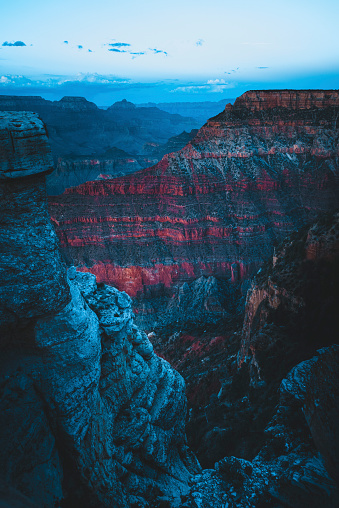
x=166, y=51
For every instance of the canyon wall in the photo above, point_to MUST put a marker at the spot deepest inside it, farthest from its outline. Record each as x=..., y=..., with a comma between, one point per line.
x=257, y=171
x=263, y=397
x=89, y=415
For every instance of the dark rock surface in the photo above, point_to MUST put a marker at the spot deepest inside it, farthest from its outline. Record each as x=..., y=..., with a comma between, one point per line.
x=289, y=471
x=89, y=415
x=32, y=282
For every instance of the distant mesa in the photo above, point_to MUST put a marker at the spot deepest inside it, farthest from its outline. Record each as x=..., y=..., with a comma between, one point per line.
x=124, y=104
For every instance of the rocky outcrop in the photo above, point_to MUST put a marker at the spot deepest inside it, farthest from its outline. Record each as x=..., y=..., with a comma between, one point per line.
x=89, y=415
x=291, y=99
x=249, y=177
x=298, y=290
x=289, y=470
x=29, y=247
x=233, y=372
x=263, y=403
x=206, y=300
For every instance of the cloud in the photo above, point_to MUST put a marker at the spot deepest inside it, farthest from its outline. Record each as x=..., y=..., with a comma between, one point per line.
x=199, y=42
x=138, y=53
x=156, y=51
x=16, y=43
x=232, y=71
x=116, y=50
x=118, y=44
x=90, y=51
x=211, y=86
x=262, y=67
x=216, y=82
x=79, y=46
x=65, y=42
x=60, y=81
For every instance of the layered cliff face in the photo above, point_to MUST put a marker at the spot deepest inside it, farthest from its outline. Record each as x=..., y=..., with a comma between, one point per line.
x=89, y=415
x=264, y=393
x=232, y=369
x=251, y=175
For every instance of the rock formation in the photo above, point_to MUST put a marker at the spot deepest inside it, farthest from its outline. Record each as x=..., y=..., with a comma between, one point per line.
x=265, y=394
x=85, y=137
x=252, y=174
x=232, y=369
x=89, y=415
x=289, y=470
x=201, y=111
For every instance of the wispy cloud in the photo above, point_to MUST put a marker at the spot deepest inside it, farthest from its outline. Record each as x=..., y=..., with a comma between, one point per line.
x=199, y=42
x=262, y=67
x=211, y=86
x=118, y=44
x=156, y=51
x=16, y=43
x=23, y=82
x=116, y=50
x=124, y=47
x=232, y=71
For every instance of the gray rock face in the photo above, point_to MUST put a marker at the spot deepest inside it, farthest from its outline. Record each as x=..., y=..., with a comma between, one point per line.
x=89, y=415
x=32, y=276
x=24, y=148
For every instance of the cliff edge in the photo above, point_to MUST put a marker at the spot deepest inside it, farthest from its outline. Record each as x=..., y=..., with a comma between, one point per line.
x=89, y=415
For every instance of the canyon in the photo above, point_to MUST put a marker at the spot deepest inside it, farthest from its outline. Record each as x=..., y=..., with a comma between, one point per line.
x=93, y=415
x=88, y=141
x=254, y=173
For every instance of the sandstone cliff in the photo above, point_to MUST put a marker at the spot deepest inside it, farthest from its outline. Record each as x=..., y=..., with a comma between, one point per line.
x=89, y=415
x=254, y=173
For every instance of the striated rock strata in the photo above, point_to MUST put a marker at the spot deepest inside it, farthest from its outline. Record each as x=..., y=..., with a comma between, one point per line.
x=89, y=415
x=252, y=174
x=263, y=402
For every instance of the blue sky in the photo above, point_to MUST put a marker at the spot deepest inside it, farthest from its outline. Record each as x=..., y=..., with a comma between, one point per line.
x=166, y=51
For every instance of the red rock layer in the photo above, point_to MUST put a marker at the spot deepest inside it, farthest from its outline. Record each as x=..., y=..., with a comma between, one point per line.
x=251, y=175
x=292, y=99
